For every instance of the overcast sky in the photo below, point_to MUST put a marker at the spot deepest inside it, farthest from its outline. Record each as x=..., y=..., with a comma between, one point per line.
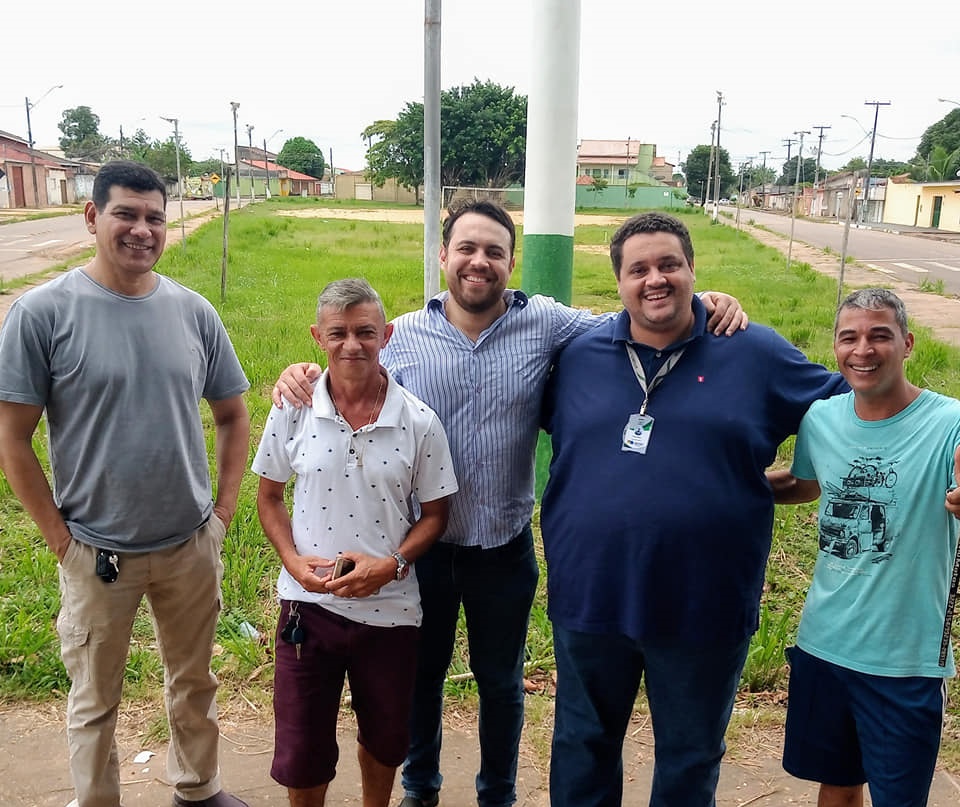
x=325, y=69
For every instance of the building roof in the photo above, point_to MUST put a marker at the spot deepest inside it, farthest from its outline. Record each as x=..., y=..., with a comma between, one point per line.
x=290, y=173
x=609, y=148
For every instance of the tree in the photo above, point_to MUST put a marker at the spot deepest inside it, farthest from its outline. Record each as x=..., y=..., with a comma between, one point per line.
x=697, y=169
x=136, y=148
x=941, y=166
x=879, y=168
x=483, y=135
x=162, y=158
x=945, y=133
x=303, y=155
x=210, y=166
x=598, y=185
x=808, y=170
x=482, y=139
x=81, y=135
x=398, y=152
x=888, y=168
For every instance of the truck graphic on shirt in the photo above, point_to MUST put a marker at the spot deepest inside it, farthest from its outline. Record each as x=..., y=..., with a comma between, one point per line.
x=855, y=519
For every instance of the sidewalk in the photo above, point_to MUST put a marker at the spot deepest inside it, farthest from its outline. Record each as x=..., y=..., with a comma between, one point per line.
x=33, y=768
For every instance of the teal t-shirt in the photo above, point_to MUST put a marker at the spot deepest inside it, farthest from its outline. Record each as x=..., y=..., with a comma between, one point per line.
x=877, y=600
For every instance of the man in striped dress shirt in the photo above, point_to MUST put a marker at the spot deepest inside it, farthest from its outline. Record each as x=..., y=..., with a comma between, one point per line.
x=478, y=354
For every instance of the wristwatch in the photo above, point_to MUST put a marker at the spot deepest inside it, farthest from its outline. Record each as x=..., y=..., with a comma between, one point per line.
x=403, y=566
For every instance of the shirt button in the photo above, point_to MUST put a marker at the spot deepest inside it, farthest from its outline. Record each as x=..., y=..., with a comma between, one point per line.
x=352, y=451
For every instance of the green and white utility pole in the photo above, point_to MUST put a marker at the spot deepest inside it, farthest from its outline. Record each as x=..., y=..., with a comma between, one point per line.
x=550, y=184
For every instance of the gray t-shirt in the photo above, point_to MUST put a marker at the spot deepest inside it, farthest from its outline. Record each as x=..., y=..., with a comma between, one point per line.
x=121, y=380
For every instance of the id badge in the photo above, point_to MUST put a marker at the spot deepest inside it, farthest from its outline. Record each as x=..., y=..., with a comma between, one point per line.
x=636, y=435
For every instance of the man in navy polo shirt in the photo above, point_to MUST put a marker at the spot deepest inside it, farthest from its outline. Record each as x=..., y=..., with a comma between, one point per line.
x=657, y=519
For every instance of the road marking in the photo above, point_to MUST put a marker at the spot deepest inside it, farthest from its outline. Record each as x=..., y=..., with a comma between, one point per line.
x=945, y=266
x=911, y=266
x=881, y=269
x=47, y=243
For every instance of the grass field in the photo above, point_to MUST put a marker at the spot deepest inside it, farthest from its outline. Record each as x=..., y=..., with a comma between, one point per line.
x=277, y=266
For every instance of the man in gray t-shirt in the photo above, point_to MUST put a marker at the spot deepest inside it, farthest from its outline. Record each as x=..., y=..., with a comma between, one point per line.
x=118, y=358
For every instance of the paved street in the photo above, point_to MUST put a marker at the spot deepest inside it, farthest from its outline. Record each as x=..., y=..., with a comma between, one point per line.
x=931, y=255
x=28, y=247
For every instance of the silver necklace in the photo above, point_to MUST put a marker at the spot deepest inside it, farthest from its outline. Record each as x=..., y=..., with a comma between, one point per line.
x=373, y=409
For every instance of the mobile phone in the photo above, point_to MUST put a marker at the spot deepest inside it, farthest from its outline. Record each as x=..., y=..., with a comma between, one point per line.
x=342, y=566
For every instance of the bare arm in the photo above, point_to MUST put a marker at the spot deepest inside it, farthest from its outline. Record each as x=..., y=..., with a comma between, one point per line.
x=232, y=425
x=371, y=574
x=295, y=385
x=726, y=314
x=787, y=489
x=953, y=496
x=25, y=474
x=275, y=520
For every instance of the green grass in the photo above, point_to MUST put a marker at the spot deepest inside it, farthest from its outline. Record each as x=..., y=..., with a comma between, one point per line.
x=277, y=266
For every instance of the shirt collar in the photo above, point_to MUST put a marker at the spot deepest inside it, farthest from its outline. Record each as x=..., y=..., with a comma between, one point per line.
x=621, y=326
x=512, y=297
x=389, y=413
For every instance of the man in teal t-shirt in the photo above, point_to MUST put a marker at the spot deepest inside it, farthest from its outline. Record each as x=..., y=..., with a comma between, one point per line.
x=867, y=675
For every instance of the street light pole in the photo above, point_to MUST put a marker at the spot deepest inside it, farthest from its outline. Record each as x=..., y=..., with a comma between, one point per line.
x=176, y=145
x=713, y=137
x=816, y=172
x=250, y=156
x=763, y=180
x=793, y=206
x=33, y=157
x=236, y=149
x=716, y=177
x=873, y=138
x=266, y=164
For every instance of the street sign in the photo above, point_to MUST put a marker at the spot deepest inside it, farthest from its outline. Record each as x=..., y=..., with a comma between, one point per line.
x=214, y=178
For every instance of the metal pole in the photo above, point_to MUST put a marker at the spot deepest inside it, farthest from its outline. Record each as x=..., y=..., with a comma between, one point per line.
x=816, y=173
x=236, y=149
x=846, y=235
x=713, y=133
x=793, y=205
x=176, y=145
x=873, y=137
x=33, y=158
x=250, y=157
x=266, y=168
x=716, y=179
x=431, y=149
x=763, y=186
x=626, y=174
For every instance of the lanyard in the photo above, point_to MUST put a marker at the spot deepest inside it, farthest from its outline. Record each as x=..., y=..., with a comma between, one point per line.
x=667, y=366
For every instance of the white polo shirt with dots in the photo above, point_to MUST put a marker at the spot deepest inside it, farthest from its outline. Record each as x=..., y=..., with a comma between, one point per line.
x=357, y=490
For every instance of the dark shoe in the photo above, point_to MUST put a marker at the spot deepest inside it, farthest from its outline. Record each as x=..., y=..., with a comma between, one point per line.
x=221, y=799
x=413, y=801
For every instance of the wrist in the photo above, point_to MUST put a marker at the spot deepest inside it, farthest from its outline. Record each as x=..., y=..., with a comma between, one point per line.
x=403, y=566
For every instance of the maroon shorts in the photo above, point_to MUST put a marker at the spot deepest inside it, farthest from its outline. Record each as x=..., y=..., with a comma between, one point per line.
x=380, y=664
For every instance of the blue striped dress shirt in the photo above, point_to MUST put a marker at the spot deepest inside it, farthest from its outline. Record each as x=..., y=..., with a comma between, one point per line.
x=488, y=395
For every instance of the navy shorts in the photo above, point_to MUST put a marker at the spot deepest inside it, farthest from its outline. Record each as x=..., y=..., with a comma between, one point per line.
x=380, y=664
x=847, y=728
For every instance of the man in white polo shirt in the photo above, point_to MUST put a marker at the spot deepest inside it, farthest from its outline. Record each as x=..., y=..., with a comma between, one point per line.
x=373, y=475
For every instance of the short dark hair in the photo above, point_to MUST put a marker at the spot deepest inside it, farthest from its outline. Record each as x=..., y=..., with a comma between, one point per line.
x=649, y=223
x=340, y=295
x=875, y=300
x=127, y=174
x=484, y=207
